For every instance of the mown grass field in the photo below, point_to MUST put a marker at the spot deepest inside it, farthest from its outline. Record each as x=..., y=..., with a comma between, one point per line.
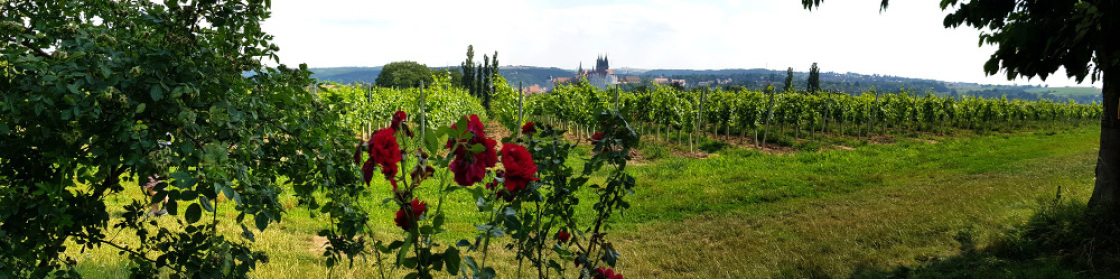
x=1068, y=90
x=875, y=211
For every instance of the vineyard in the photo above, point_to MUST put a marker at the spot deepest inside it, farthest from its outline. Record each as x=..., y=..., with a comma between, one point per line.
x=751, y=117
x=768, y=117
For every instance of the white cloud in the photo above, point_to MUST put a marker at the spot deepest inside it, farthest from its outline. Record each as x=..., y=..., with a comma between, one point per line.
x=851, y=36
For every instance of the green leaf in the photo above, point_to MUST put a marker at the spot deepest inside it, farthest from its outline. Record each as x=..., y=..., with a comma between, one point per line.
x=205, y=202
x=140, y=108
x=261, y=220
x=471, y=264
x=228, y=192
x=4, y=129
x=461, y=126
x=431, y=142
x=172, y=207
x=247, y=234
x=438, y=220
x=157, y=92
x=463, y=243
x=487, y=273
x=404, y=249
x=194, y=212
x=477, y=148
x=451, y=258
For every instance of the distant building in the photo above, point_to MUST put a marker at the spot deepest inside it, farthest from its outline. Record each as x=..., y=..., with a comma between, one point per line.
x=601, y=77
x=668, y=81
x=630, y=79
x=532, y=89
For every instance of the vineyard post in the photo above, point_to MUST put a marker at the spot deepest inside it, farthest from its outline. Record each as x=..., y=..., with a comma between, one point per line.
x=769, y=116
x=423, y=119
x=369, y=99
x=827, y=114
x=679, y=114
x=520, y=108
x=616, y=98
x=727, y=125
x=694, y=124
x=700, y=119
x=875, y=106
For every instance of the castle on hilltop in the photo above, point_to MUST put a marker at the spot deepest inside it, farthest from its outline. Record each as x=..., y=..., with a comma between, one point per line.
x=601, y=77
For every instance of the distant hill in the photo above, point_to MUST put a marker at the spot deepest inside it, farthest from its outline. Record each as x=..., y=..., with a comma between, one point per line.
x=723, y=72
x=757, y=79
x=346, y=75
x=514, y=74
x=533, y=75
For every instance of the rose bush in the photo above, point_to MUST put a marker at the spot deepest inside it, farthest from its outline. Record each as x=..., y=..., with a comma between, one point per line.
x=471, y=168
x=519, y=167
x=534, y=207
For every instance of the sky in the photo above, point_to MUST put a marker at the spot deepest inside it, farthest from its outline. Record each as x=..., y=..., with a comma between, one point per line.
x=906, y=40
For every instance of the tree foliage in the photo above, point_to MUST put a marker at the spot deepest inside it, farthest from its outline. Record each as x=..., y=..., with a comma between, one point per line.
x=467, y=67
x=789, y=79
x=92, y=87
x=480, y=79
x=404, y=74
x=814, y=83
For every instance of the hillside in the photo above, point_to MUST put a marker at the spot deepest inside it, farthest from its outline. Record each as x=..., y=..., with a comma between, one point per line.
x=757, y=79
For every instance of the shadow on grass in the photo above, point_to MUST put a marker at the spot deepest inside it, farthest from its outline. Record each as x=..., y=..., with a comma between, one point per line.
x=1063, y=240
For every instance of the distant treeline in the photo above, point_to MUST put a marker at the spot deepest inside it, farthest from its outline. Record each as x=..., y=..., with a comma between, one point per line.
x=751, y=79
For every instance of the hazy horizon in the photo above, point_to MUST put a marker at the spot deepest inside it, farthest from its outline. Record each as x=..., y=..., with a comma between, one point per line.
x=906, y=40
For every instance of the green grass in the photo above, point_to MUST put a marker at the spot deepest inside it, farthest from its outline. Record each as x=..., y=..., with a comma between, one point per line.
x=1068, y=91
x=880, y=210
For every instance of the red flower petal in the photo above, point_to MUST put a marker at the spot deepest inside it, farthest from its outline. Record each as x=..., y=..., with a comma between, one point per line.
x=520, y=169
x=529, y=128
x=358, y=154
x=398, y=117
x=367, y=171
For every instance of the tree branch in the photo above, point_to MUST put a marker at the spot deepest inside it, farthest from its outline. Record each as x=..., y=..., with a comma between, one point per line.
x=24, y=43
x=113, y=178
x=126, y=249
x=36, y=51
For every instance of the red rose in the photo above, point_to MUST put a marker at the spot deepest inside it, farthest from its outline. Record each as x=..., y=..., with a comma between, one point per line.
x=358, y=154
x=519, y=165
x=416, y=207
x=367, y=171
x=606, y=273
x=384, y=150
x=597, y=137
x=471, y=168
x=402, y=219
x=398, y=117
x=563, y=236
x=528, y=129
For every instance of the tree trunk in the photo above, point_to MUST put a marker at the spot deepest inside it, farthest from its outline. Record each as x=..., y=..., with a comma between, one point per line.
x=1107, y=189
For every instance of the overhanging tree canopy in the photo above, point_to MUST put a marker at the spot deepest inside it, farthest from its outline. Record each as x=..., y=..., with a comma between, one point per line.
x=90, y=87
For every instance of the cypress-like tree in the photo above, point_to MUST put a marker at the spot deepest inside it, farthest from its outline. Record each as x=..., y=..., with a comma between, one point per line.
x=487, y=81
x=814, y=79
x=789, y=79
x=468, y=71
x=494, y=61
